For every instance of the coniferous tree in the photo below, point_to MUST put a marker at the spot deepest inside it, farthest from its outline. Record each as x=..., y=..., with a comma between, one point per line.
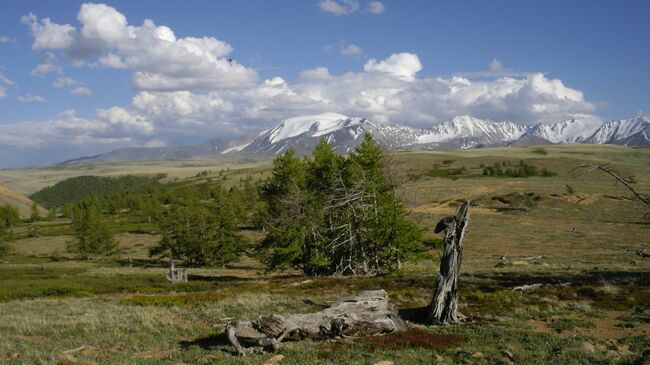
x=9, y=217
x=284, y=213
x=93, y=237
x=35, y=215
x=335, y=215
x=201, y=233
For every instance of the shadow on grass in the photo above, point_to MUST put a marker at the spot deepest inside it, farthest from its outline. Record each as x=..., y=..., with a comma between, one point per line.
x=596, y=277
x=207, y=343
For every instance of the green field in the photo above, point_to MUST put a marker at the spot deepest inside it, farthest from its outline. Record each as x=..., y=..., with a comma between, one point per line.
x=563, y=229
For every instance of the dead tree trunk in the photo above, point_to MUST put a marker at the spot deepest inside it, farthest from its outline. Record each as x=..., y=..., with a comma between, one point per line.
x=175, y=274
x=444, y=305
x=369, y=313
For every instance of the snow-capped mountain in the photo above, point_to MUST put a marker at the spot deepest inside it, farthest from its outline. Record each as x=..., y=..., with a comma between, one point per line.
x=345, y=133
x=303, y=133
x=466, y=132
x=627, y=132
x=566, y=131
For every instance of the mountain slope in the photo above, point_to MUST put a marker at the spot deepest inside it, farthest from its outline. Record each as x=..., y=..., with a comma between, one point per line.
x=156, y=153
x=627, y=132
x=20, y=202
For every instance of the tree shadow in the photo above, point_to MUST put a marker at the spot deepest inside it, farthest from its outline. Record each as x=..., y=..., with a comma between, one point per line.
x=207, y=343
x=416, y=315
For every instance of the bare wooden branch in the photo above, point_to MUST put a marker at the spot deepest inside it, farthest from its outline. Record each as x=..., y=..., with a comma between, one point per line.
x=444, y=305
x=369, y=313
x=582, y=169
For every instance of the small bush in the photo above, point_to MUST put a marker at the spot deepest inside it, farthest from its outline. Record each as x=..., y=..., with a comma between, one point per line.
x=540, y=151
x=568, y=324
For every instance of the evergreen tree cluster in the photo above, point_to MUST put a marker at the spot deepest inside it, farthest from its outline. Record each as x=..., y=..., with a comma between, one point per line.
x=9, y=217
x=93, y=236
x=76, y=189
x=521, y=169
x=201, y=231
x=330, y=214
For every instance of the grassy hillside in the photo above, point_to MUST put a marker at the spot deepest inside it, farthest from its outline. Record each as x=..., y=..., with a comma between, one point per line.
x=19, y=201
x=30, y=180
x=561, y=229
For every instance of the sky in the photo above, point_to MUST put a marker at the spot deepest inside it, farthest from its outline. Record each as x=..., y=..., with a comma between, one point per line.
x=81, y=78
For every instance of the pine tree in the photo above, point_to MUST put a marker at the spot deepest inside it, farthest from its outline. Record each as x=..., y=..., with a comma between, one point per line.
x=35, y=215
x=284, y=213
x=92, y=233
x=9, y=217
x=202, y=233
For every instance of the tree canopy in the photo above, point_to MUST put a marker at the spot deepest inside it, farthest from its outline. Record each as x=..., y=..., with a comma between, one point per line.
x=330, y=214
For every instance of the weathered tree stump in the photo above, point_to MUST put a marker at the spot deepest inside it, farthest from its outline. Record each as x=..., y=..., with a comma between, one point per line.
x=369, y=313
x=175, y=274
x=444, y=305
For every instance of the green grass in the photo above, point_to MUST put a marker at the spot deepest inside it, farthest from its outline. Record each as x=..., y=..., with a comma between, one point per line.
x=133, y=315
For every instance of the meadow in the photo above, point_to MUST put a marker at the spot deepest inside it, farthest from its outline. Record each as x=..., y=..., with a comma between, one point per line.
x=574, y=234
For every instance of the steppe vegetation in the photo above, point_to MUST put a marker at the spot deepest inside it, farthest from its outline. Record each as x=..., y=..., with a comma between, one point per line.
x=577, y=236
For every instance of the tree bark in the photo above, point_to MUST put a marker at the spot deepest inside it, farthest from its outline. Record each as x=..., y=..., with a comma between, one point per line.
x=444, y=305
x=369, y=313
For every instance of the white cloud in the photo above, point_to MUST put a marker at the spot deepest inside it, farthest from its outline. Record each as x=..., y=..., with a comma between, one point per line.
x=81, y=90
x=188, y=89
x=64, y=81
x=4, y=39
x=343, y=7
x=4, y=82
x=29, y=98
x=376, y=7
x=159, y=59
x=47, y=66
x=402, y=65
x=123, y=120
x=350, y=50
x=48, y=35
x=318, y=73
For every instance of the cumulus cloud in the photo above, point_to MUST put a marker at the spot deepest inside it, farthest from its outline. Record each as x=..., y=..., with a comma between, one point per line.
x=343, y=7
x=159, y=59
x=376, y=7
x=188, y=89
x=29, y=98
x=47, y=66
x=350, y=50
x=402, y=65
x=64, y=81
x=4, y=39
x=81, y=90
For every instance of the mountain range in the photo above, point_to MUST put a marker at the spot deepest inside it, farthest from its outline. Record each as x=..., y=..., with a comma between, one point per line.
x=303, y=133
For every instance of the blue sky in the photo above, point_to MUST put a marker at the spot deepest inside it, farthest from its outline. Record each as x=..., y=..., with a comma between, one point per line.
x=97, y=77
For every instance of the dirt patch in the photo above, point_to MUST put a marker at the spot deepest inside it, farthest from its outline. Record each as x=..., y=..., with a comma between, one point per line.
x=155, y=353
x=607, y=327
x=583, y=199
x=413, y=337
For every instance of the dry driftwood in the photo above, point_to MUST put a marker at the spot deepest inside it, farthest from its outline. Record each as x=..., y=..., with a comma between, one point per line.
x=444, y=305
x=369, y=313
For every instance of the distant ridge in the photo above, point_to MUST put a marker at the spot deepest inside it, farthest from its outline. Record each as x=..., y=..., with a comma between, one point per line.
x=303, y=133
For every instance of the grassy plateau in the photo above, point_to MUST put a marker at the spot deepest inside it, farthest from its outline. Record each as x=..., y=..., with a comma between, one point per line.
x=574, y=234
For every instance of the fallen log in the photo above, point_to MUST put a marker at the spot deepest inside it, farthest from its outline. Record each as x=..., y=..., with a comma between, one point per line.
x=369, y=313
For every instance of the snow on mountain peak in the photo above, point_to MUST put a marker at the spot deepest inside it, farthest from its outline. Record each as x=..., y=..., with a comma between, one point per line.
x=468, y=126
x=319, y=124
x=566, y=131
